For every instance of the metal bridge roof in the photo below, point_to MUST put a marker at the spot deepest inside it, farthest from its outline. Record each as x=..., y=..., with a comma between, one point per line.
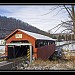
x=37, y=36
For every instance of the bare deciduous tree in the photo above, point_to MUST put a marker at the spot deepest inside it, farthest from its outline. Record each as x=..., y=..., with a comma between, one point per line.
x=68, y=25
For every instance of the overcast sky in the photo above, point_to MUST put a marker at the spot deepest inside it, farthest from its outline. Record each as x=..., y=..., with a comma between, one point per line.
x=34, y=15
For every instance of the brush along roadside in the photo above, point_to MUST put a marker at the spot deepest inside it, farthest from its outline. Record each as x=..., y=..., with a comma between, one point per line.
x=48, y=65
x=68, y=54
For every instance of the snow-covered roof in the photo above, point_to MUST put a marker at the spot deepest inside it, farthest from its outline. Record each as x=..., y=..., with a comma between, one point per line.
x=37, y=36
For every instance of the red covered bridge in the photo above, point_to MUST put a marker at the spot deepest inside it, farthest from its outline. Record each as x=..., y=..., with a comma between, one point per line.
x=42, y=46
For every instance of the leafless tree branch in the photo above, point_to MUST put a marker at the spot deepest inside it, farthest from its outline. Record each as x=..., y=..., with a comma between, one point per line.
x=68, y=12
x=66, y=29
x=52, y=9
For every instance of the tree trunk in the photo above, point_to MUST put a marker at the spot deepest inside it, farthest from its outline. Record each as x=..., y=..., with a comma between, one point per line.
x=73, y=18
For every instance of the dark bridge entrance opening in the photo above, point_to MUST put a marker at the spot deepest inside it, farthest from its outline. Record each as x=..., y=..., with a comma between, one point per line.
x=18, y=49
x=21, y=51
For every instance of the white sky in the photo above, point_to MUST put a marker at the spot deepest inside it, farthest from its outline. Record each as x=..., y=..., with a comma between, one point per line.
x=33, y=15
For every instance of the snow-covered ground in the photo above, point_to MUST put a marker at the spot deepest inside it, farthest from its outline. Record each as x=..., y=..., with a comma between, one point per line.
x=66, y=47
x=47, y=65
x=2, y=49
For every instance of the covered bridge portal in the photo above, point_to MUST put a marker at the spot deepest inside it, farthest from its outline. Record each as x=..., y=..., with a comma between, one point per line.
x=20, y=43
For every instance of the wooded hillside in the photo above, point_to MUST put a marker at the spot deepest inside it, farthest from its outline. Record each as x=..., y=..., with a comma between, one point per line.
x=7, y=25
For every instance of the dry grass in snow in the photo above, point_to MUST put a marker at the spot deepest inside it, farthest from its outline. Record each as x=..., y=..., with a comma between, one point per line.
x=49, y=65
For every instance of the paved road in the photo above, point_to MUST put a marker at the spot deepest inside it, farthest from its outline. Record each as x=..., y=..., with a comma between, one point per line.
x=5, y=65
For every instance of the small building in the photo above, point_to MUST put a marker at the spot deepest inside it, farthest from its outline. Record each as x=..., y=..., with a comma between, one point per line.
x=18, y=42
